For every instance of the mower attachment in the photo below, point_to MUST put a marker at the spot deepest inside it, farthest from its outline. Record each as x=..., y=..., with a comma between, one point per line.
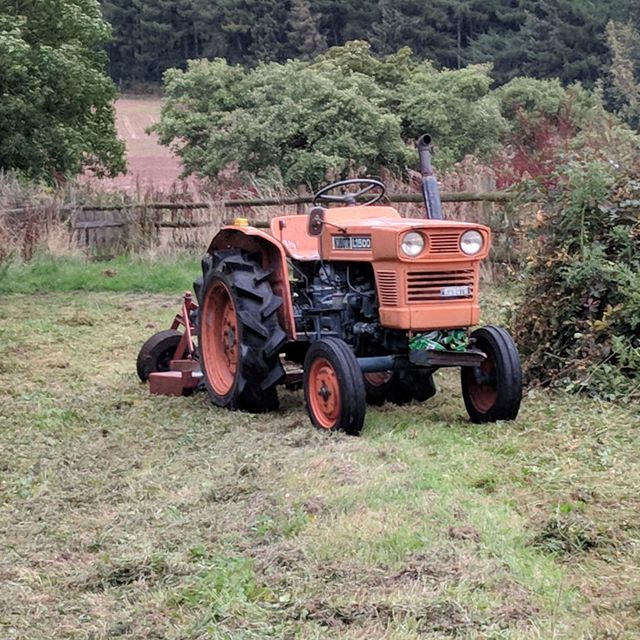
x=180, y=381
x=168, y=360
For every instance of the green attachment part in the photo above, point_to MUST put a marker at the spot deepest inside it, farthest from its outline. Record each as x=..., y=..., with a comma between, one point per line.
x=454, y=340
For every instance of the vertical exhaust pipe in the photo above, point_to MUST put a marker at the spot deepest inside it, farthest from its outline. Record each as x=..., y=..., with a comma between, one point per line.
x=430, y=191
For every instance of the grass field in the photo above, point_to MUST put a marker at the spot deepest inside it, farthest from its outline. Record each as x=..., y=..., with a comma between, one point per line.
x=126, y=515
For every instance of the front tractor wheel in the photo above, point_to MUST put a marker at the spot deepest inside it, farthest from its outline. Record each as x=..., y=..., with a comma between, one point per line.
x=239, y=335
x=493, y=390
x=334, y=387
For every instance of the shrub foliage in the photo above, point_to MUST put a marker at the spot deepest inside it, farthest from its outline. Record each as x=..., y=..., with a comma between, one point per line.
x=346, y=112
x=579, y=324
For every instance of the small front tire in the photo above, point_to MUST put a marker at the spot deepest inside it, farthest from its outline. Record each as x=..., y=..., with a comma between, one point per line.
x=493, y=390
x=157, y=353
x=334, y=387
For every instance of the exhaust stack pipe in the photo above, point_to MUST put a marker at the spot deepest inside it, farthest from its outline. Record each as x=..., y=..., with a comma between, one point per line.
x=430, y=191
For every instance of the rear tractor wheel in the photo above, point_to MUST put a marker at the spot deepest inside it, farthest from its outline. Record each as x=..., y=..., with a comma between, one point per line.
x=334, y=387
x=399, y=387
x=239, y=335
x=493, y=390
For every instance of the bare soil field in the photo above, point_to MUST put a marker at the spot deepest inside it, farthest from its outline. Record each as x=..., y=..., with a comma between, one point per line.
x=150, y=165
x=124, y=515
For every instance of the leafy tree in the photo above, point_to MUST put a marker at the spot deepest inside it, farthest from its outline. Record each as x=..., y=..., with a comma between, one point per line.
x=455, y=107
x=346, y=112
x=527, y=103
x=56, y=113
x=290, y=122
x=389, y=72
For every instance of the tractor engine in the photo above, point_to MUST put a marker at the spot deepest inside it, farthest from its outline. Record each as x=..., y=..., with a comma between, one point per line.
x=339, y=299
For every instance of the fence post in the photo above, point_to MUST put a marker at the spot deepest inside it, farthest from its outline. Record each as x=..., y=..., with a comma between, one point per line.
x=488, y=185
x=302, y=192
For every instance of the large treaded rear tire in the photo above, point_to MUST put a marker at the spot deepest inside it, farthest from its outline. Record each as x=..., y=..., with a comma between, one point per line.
x=239, y=334
x=493, y=391
x=334, y=387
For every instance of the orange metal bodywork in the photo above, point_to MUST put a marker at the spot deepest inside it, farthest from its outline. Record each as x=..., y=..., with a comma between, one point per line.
x=409, y=289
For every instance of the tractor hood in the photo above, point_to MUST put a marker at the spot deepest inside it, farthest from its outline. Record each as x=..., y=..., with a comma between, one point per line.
x=377, y=233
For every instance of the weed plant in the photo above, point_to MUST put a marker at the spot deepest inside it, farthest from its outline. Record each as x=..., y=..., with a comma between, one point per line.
x=579, y=323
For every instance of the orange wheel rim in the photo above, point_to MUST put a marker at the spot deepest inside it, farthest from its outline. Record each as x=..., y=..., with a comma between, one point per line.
x=219, y=338
x=484, y=396
x=324, y=393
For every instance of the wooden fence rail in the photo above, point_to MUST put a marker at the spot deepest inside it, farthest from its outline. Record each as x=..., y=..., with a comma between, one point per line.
x=110, y=228
x=460, y=196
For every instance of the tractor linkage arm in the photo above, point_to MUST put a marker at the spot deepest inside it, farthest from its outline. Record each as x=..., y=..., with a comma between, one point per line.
x=185, y=349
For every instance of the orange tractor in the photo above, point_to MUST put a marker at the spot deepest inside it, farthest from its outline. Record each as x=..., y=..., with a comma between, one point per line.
x=366, y=304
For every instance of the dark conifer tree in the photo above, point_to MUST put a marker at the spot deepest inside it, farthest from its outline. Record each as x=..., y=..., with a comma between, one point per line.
x=540, y=38
x=304, y=33
x=425, y=28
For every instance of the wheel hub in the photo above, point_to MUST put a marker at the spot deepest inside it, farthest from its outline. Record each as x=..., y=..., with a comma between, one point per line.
x=483, y=391
x=324, y=398
x=219, y=343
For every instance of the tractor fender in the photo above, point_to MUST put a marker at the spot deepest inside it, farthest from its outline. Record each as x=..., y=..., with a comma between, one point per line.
x=273, y=257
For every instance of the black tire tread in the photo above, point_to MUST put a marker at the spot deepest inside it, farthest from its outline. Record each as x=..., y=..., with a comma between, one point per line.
x=508, y=372
x=260, y=333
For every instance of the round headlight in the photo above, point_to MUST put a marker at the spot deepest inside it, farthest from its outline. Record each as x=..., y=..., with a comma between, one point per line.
x=412, y=244
x=471, y=242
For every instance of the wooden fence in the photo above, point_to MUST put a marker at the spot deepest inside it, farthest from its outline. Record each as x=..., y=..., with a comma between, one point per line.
x=111, y=229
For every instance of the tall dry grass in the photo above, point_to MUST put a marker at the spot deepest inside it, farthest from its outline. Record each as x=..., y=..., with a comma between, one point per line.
x=31, y=218
x=37, y=219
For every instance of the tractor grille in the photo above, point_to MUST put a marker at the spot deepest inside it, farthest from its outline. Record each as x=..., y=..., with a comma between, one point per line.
x=444, y=243
x=428, y=286
x=388, y=288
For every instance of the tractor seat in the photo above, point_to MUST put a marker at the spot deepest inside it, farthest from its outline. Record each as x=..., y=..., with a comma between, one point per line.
x=292, y=233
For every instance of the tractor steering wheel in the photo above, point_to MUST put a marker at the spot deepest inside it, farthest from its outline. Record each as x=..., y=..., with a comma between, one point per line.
x=350, y=198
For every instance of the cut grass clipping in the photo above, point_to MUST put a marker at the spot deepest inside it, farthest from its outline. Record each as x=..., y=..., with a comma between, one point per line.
x=132, y=516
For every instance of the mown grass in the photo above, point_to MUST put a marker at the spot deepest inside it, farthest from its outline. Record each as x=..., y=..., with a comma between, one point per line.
x=127, y=515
